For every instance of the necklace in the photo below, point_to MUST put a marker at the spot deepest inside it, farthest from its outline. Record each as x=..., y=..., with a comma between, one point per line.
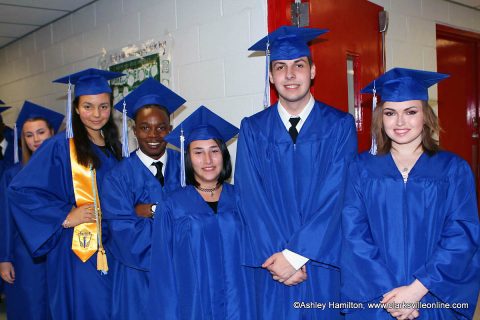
x=404, y=170
x=211, y=190
x=404, y=173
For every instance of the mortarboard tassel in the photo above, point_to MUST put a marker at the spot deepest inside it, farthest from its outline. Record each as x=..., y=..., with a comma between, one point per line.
x=69, y=129
x=125, y=152
x=266, y=94
x=373, y=147
x=182, y=160
x=15, y=144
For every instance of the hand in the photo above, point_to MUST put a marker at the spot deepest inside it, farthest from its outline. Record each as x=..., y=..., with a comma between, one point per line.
x=7, y=272
x=279, y=267
x=79, y=215
x=143, y=210
x=406, y=294
x=298, y=277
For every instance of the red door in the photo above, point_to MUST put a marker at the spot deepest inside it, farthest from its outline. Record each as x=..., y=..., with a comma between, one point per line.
x=458, y=54
x=354, y=41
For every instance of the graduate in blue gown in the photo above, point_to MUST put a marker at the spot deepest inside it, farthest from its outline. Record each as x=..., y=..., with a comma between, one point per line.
x=6, y=144
x=59, y=216
x=134, y=189
x=410, y=222
x=25, y=277
x=196, y=271
x=290, y=169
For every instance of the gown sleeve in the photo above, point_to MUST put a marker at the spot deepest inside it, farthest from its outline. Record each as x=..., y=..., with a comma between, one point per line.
x=41, y=196
x=163, y=290
x=257, y=246
x=452, y=272
x=365, y=274
x=130, y=235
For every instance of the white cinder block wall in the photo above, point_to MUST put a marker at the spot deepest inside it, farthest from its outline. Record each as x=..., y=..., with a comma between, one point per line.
x=209, y=41
x=411, y=35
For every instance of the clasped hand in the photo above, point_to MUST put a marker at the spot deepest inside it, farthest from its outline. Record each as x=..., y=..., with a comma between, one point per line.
x=283, y=272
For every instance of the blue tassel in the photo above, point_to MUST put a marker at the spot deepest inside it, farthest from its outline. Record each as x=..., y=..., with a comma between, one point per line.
x=182, y=159
x=69, y=129
x=266, y=94
x=373, y=147
x=125, y=152
x=15, y=144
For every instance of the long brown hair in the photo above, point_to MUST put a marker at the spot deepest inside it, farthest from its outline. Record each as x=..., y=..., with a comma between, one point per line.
x=85, y=153
x=431, y=129
x=26, y=152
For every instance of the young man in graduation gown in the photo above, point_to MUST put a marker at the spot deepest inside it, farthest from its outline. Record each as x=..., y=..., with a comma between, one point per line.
x=133, y=189
x=290, y=171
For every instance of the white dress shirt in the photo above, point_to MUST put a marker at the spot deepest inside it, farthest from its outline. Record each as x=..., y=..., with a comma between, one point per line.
x=4, y=145
x=147, y=161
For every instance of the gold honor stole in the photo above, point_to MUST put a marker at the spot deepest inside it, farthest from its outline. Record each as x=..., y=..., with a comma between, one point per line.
x=87, y=237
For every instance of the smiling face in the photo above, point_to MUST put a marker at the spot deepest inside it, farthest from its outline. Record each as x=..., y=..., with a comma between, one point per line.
x=94, y=111
x=292, y=80
x=35, y=132
x=403, y=122
x=152, y=124
x=207, y=161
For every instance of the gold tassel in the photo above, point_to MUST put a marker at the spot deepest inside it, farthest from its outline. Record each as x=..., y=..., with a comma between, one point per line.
x=102, y=264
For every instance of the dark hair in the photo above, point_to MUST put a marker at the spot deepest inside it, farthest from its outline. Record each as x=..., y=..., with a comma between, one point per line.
x=152, y=106
x=226, y=170
x=26, y=152
x=309, y=59
x=431, y=129
x=85, y=153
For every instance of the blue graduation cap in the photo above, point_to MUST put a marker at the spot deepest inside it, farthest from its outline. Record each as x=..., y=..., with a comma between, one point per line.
x=400, y=84
x=1, y=102
x=202, y=124
x=30, y=111
x=285, y=43
x=90, y=81
x=288, y=42
x=149, y=92
x=4, y=108
x=87, y=82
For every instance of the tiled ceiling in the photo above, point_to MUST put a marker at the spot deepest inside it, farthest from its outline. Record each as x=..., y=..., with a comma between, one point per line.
x=21, y=17
x=469, y=3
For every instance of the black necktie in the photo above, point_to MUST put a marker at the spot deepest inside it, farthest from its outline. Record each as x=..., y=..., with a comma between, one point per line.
x=293, y=129
x=1, y=153
x=159, y=174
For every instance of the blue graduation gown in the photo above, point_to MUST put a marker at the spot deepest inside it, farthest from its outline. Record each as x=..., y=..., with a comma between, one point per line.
x=426, y=229
x=130, y=183
x=291, y=198
x=196, y=271
x=8, y=157
x=42, y=196
x=27, y=296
